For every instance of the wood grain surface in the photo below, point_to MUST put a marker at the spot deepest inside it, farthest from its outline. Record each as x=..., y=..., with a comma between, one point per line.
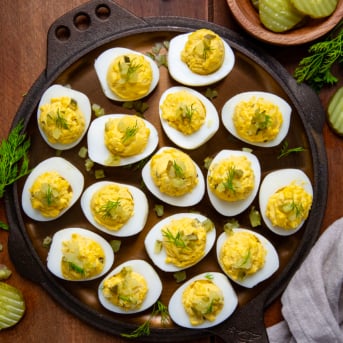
x=23, y=32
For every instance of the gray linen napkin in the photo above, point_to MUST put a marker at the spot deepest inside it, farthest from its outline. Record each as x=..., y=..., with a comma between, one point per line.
x=312, y=304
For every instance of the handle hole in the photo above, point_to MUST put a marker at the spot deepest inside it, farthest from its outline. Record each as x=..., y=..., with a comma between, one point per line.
x=62, y=33
x=103, y=12
x=82, y=21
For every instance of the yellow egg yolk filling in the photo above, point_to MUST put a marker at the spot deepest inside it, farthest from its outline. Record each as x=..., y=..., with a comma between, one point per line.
x=127, y=289
x=62, y=120
x=130, y=76
x=50, y=194
x=204, y=52
x=82, y=258
x=289, y=207
x=257, y=120
x=112, y=206
x=241, y=255
x=184, y=112
x=184, y=241
x=173, y=172
x=125, y=136
x=231, y=179
x=202, y=300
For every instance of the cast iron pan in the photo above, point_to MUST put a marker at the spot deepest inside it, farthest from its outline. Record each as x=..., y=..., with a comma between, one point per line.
x=74, y=41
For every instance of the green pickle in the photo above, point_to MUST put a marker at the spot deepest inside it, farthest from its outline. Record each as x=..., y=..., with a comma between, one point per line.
x=12, y=305
x=335, y=112
x=279, y=15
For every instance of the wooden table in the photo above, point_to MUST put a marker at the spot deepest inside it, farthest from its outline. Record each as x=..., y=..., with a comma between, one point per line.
x=23, y=32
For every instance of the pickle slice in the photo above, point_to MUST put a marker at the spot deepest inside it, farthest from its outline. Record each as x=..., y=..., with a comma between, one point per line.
x=335, y=112
x=315, y=8
x=279, y=15
x=12, y=305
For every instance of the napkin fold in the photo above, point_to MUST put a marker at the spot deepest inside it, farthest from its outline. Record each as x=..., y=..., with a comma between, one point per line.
x=312, y=303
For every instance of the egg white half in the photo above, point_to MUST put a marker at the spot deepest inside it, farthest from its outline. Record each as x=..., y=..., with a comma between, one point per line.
x=97, y=150
x=180, y=316
x=155, y=234
x=229, y=108
x=55, y=252
x=180, y=72
x=153, y=281
x=67, y=170
x=207, y=130
x=271, y=262
x=134, y=225
x=103, y=62
x=58, y=91
x=233, y=208
x=189, y=199
x=272, y=183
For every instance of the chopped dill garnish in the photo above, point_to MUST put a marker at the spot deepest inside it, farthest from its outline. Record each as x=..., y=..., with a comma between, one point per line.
x=177, y=240
x=285, y=150
x=130, y=132
x=144, y=329
x=107, y=209
x=60, y=121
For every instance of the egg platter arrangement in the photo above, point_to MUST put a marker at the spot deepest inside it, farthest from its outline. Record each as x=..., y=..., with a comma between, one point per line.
x=166, y=146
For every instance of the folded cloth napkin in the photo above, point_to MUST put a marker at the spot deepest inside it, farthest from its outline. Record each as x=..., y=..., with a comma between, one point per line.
x=312, y=303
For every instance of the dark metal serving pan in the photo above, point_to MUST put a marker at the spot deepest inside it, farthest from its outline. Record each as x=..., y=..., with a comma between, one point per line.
x=74, y=41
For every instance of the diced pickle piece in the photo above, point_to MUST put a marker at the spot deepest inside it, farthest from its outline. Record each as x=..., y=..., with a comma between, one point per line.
x=279, y=15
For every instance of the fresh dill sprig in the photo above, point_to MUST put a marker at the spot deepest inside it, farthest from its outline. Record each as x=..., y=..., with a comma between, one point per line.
x=231, y=174
x=144, y=329
x=316, y=68
x=285, y=150
x=130, y=132
x=107, y=209
x=187, y=112
x=60, y=121
x=49, y=195
x=14, y=157
x=130, y=68
x=177, y=240
x=207, y=45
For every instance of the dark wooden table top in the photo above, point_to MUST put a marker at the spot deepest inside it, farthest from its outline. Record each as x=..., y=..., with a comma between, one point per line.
x=23, y=33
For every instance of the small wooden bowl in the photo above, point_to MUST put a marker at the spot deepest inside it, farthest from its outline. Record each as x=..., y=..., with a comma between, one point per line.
x=248, y=18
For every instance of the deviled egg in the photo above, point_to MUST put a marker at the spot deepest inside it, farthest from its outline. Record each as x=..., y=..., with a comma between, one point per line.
x=125, y=74
x=188, y=118
x=246, y=257
x=120, y=139
x=78, y=254
x=180, y=241
x=51, y=189
x=131, y=287
x=257, y=118
x=199, y=58
x=285, y=198
x=173, y=177
x=233, y=180
x=204, y=301
x=117, y=209
x=63, y=116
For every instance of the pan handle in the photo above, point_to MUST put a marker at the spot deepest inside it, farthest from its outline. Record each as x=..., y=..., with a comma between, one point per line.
x=83, y=29
x=245, y=325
